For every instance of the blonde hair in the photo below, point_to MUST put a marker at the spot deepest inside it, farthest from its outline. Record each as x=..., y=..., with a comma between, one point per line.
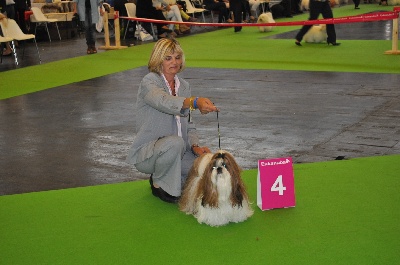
x=163, y=48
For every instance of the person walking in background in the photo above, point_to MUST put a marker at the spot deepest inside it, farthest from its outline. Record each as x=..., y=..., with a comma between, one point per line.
x=356, y=4
x=166, y=143
x=319, y=7
x=89, y=13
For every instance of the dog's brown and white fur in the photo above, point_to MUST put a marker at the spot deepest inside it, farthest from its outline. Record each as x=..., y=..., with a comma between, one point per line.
x=214, y=191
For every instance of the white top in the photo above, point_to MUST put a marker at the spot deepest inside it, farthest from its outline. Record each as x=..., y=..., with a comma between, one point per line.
x=177, y=117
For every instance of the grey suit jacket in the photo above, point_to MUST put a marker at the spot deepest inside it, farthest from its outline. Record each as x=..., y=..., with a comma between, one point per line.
x=155, y=116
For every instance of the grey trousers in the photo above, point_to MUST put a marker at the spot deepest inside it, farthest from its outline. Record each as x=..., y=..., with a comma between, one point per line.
x=170, y=164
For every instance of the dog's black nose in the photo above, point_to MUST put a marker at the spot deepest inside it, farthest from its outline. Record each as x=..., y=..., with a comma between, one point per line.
x=219, y=170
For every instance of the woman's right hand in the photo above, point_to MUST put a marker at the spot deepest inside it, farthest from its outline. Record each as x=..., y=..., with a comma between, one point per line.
x=205, y=106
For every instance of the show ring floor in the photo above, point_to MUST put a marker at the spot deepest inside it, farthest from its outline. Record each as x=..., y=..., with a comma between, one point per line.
x=79, y=134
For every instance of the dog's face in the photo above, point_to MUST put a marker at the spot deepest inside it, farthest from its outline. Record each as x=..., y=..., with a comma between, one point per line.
x=221, y=181
x=223, y=168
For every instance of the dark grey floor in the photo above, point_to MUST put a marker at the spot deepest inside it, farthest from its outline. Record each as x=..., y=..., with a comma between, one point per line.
x=79, y=134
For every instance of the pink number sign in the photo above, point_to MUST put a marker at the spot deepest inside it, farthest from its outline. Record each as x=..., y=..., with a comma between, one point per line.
x=275, y=183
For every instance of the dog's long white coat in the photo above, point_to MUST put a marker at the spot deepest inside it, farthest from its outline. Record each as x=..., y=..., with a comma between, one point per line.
x=317, y=34
x=266, y=18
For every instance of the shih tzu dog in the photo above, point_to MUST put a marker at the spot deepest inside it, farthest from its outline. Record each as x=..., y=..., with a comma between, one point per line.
x=214, y=191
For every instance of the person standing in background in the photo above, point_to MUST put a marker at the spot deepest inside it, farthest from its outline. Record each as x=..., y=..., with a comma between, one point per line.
x=10, y=9
x=20, y=7
x=89, y=12
x=236, y=6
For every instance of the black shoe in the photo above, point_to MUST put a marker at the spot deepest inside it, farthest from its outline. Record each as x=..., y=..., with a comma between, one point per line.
x=356, y=7
x=298, y=43
x=238, y=29
x=333, y=43
x=163, y=195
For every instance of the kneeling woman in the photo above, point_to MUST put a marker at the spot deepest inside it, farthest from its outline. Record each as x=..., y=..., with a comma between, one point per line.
x=166, y=142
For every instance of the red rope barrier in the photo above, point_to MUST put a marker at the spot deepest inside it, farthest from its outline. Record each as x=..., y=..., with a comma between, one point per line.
x=341, y=20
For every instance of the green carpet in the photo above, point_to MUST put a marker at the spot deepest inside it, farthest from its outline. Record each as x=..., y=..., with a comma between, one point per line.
x=218, y=49
x=346, y=213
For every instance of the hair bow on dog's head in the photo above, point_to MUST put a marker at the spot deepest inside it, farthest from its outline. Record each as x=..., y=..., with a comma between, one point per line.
x=220, y=155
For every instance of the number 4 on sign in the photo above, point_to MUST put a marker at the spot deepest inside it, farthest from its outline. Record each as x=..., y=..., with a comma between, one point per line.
x=278, y=185
x=275, y=183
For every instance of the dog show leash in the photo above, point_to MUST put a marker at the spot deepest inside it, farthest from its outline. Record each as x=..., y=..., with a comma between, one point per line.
x=218, y=129
x=219, y=133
